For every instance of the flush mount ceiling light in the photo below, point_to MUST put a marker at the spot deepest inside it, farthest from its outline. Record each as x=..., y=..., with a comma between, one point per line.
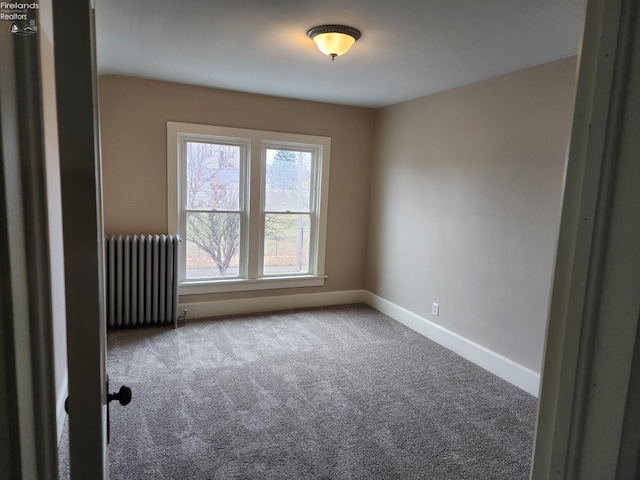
x=334, y=40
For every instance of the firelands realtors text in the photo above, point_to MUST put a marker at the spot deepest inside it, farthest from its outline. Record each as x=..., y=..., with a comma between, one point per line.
x=16, y=11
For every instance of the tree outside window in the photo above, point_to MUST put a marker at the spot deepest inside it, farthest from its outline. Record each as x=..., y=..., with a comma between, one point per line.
x=213, y=204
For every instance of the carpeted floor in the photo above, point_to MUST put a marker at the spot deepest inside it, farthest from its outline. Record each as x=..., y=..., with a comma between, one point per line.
x=329, y=393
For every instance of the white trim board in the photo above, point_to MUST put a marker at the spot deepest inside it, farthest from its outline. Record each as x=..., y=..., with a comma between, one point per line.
x=269, y=304
x=61, y=414
x=507, y=369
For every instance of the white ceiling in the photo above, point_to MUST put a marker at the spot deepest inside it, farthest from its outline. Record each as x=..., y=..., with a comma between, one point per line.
x=408, y=49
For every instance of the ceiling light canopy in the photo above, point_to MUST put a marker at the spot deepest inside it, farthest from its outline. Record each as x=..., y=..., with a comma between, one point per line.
x=334, y=40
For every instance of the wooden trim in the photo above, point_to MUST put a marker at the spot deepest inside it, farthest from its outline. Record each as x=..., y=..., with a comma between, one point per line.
x=270, y=304
x=80, y=172
x=252, y=179
x=569, y=440
x=507, y=369
x=12, y=306
x=27, y=349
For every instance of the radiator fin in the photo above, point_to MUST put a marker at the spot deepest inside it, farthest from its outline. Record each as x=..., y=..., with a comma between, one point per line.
x=141, y=279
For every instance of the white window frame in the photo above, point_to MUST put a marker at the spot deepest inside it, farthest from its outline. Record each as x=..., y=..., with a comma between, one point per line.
x=254, y=144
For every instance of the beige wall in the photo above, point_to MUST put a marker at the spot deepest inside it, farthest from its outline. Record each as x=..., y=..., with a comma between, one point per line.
x=465, y=191
x=133, y=118
x=54, y=198
x=465, y=206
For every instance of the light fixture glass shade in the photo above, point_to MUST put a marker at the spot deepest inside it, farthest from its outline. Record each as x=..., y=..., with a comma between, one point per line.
x=334, y=44
x=334, y=40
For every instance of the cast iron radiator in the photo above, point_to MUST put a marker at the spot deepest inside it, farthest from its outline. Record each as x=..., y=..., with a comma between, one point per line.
x=141, y=279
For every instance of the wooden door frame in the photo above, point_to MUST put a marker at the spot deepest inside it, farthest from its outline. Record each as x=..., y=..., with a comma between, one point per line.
x=81, y=182
x=27, y=391
x=28, y=436
x=591, y=343
x=588, y=274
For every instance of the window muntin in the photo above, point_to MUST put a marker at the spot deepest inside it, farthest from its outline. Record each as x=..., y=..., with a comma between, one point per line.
x=256, y=199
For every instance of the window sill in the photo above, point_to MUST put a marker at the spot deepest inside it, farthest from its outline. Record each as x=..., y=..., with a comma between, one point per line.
x=195, y=287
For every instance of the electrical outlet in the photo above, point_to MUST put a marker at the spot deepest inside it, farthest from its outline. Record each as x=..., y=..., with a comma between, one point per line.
x=435, y=309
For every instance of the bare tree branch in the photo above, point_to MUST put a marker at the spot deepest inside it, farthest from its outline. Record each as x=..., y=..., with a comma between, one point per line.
x=212, y=184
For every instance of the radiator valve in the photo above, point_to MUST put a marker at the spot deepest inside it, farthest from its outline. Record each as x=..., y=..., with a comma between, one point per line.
x=182, y=317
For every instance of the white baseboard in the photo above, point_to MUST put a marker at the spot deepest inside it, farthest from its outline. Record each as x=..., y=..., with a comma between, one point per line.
x=507, y=369
x=270, y=304
x=512, y=372
x=61, y=415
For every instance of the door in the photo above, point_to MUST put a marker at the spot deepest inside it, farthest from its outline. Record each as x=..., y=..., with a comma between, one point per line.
x=27, y=386
x=76, y=93
x=76, y=84
x=588, y=413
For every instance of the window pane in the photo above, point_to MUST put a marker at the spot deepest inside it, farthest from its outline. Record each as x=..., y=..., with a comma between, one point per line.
x=288, y=181
x=286, y=243
x=213, y=176
x=213, y=243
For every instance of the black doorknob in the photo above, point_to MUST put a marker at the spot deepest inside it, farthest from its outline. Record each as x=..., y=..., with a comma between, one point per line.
x=123, y=395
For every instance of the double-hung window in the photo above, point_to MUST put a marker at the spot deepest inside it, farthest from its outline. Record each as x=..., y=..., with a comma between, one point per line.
x=250, y=206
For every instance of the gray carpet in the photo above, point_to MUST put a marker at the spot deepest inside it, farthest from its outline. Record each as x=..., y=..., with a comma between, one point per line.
x=330, y=393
